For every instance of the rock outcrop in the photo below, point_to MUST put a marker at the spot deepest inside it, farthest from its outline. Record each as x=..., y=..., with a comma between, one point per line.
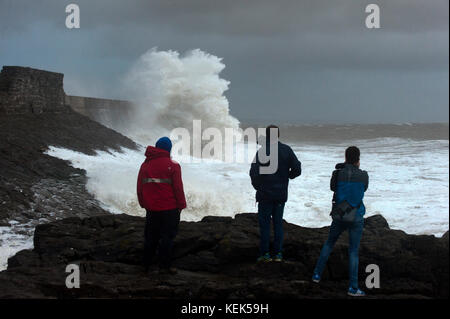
x=216, y=259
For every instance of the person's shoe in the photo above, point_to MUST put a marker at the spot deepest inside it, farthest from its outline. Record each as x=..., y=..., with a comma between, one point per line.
x=316, y=278
x=168, y=271
x=278, y=257
x=355, y=292
x=264, y=258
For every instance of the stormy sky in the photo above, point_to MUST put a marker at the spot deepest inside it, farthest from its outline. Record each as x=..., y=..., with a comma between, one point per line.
x=288, y=61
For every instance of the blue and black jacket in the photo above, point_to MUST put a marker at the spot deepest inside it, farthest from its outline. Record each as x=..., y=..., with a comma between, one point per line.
x=349, y=183
x=274, y=187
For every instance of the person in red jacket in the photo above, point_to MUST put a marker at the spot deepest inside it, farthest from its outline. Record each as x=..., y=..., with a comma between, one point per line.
x=160, y=192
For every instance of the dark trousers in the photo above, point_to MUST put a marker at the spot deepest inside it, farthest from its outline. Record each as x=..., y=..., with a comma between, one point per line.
x=160, y=230
x=271, y=211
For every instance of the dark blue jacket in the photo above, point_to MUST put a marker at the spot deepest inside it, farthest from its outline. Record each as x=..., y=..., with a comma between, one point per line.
x=349, y=183
x=274, y=187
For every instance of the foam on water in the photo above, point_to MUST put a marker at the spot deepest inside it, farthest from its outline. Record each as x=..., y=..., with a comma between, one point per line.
x=209, y=188
x=12, y=241
x=408, y=183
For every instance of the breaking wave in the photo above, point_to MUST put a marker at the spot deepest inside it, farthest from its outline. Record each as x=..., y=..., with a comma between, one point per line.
x=172, y=90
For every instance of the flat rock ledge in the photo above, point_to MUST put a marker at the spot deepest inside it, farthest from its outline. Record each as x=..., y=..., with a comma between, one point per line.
x=216, y=259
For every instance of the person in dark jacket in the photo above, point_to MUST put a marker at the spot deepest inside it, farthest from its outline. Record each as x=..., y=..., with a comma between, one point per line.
x=348, y=183
x=272, y=189
x=160, y=192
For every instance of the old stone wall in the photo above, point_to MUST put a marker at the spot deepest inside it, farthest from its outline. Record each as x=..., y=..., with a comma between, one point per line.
x=27, y=90
x=111, y=113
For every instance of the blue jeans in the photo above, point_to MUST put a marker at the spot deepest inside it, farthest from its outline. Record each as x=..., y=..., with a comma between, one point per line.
x=270, y=211
x=355, y=230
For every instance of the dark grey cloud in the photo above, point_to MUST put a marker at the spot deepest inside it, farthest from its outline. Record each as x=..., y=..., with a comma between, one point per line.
x=309, y=61
x=250, y=17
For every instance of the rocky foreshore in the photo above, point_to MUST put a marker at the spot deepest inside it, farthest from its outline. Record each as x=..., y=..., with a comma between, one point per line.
x=216, y=259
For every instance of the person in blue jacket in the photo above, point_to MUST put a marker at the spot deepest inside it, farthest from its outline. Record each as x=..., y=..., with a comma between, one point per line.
x=348, y=183
x=272, y=189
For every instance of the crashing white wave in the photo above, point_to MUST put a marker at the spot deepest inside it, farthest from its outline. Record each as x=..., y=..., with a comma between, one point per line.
x=172, y=90
x=112, y=177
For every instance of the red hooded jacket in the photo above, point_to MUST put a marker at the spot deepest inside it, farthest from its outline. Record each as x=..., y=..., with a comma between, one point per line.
x=159, y=184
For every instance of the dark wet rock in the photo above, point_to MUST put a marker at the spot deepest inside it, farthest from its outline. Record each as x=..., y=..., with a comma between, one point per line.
x=216, y=259
x=445, y=237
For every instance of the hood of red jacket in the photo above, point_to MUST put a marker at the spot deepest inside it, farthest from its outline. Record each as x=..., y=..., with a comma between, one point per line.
x=153, y=152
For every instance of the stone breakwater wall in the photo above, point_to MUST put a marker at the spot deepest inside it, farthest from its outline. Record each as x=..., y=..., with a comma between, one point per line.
x=26, y=90
x=111, y=113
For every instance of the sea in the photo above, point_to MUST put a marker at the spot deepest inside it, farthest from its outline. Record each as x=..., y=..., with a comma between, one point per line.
x=408, y=167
